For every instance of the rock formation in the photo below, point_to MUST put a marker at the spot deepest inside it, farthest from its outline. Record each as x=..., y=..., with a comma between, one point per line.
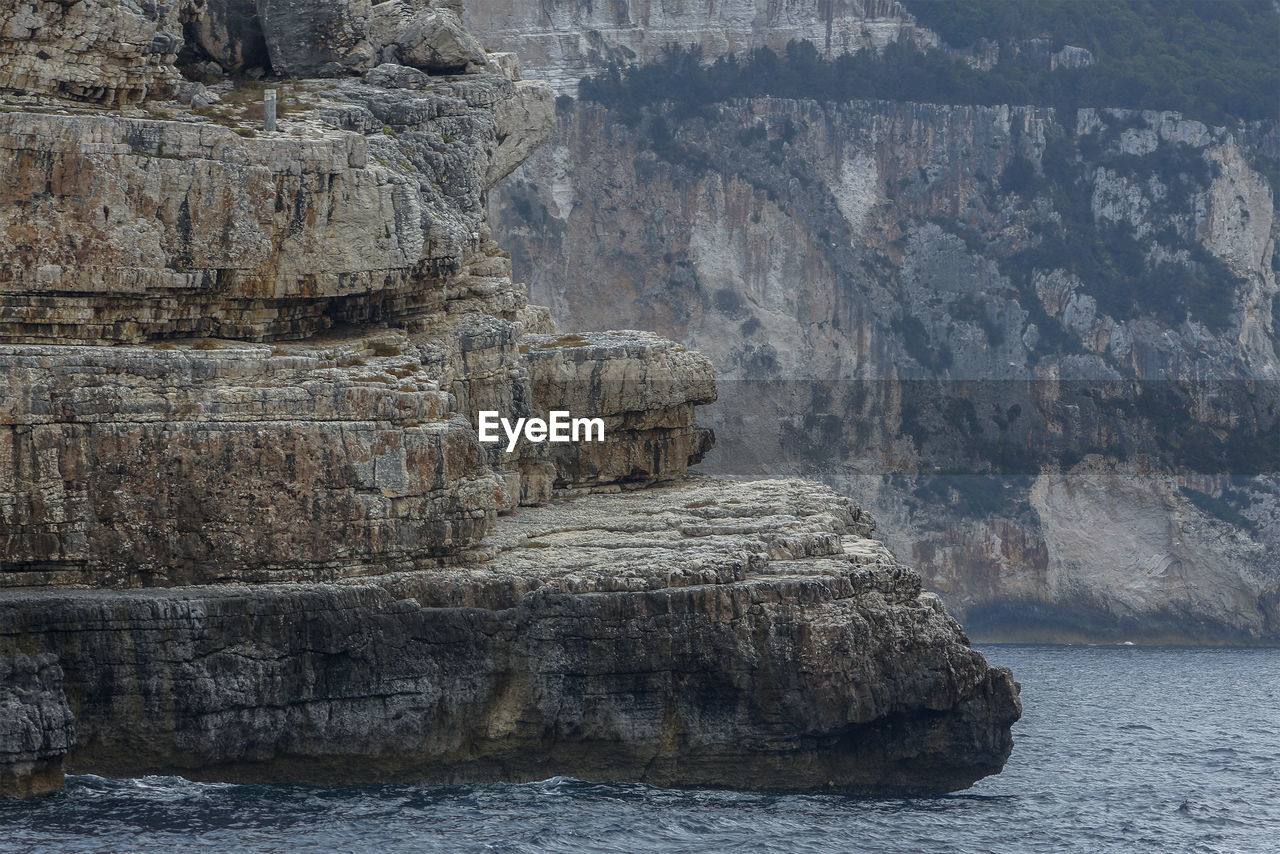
x=109, y=52
x=563, y=40
x=250, y=530
x=700, y=634
x=886, y=294
x=36, y=726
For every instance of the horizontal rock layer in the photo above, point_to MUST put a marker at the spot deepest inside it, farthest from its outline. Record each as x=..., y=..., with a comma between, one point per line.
x=335, y=457
x=130, y=465
x=110, y=52
x=708, y=633
x=563, y=40
x=121, y=229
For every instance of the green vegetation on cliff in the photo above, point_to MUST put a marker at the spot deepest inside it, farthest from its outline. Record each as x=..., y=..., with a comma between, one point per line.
x=1215, y=60
x=1209, y=58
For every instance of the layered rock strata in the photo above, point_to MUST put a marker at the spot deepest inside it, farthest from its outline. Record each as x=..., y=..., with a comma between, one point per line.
x=905, y=300
x=705, y=633
x=563, y=40
x=108, y=52
x=250, y=530
x=125, y=229
x=334, y=457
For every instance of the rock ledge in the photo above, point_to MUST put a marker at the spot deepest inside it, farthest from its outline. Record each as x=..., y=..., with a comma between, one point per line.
x=704, y=633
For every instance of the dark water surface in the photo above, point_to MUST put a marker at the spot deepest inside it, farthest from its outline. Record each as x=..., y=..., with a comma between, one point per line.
x=1120, y=749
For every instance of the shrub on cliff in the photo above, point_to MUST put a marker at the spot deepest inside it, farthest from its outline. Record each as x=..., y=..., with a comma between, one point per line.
x=1211, y=59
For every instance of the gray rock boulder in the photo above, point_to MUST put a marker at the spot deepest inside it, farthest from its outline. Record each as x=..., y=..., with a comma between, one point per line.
x=437, y=41
x=332, y=37
x=317, y=38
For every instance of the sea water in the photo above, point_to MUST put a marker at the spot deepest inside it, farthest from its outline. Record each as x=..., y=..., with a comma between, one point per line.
x=1120, y=748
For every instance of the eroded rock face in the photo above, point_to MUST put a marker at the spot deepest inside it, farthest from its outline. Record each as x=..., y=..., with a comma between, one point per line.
x=228, y=31
x=563, y=40
x=36, y=725
x=348, y=455
x=317, y=38
x=641, y=386
x=188, y=228
x=437, y=41
x=887, y=309
x=365, y=599
x=195, y=466
x=703, y=634
x=109, y=52
x=329, y=38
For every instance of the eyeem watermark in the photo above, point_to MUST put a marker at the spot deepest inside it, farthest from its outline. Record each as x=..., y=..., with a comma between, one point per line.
x=559, y=426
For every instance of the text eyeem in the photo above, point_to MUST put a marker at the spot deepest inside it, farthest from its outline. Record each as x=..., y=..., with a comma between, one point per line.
x=559, y=426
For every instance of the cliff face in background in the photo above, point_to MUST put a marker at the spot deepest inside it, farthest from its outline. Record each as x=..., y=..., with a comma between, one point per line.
x=249, y=529
x=1042, y=347
x=561, y=40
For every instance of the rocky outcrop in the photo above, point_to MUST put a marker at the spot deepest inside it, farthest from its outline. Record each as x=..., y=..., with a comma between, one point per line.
x=227, y=32
x=109, y=52
x=563, y=40
x=251, y=530
x=36, y=726
x=333, y=38
x=888, y=299
x=347, y=456
x=641, y=387
x=185, y=466
x=706, y=633
x=189, y=228
x=435, y=41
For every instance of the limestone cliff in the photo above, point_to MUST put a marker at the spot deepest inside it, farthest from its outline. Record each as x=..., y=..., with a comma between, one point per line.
x=899, y=301
x=702, y=634
x=249, y=528
x=561, y=40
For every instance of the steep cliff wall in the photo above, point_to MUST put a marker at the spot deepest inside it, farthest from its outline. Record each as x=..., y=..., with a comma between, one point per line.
x=716, y=634
x=562, y=40
x=178, y=225
x=249, y=528
x=971, y=318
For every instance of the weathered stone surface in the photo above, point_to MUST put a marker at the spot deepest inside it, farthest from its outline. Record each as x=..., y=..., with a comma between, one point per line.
x=111, y=52
x=133, y=466
x=228, y=31
x=643, y=387
x=343, y=455
x=181, y=228
x=335, y=489
x=437, y=41
x=742, y=635
x=36, y=726
x=563, y=40
x=859, y=315
x=329, y=38
x=317, y=38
